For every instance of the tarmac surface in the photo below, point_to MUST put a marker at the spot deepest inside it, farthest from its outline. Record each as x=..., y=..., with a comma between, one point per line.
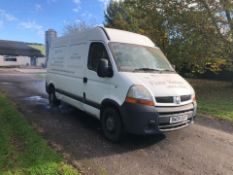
x=205, y=147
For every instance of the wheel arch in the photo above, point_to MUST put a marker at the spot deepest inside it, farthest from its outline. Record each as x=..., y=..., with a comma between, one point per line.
x=49, y=87
x=109, y=103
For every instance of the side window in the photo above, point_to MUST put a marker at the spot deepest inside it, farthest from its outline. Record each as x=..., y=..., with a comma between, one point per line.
x=96, y=52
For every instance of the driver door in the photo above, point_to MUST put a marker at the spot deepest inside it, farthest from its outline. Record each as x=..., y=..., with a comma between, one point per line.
x=95, y=87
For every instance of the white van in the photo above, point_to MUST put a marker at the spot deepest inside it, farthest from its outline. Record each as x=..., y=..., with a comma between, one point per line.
x=121, y=78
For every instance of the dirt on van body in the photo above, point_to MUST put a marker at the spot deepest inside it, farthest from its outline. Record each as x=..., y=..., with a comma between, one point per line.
x=203, y=148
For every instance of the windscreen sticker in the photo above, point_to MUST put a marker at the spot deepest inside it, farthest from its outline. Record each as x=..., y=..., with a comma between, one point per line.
x=168, y=84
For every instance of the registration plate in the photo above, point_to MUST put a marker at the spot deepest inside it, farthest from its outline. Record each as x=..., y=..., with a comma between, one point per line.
x=177, y=119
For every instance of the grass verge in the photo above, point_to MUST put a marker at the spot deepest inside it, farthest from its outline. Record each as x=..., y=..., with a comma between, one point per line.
x=40, y=76
x=215, y=98
x=22, y=150
x=41, y=48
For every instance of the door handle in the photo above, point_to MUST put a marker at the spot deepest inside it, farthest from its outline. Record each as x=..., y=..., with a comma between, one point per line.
x=85, y=79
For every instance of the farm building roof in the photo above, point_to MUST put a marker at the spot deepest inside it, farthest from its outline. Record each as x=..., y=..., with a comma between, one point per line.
x=16, y=48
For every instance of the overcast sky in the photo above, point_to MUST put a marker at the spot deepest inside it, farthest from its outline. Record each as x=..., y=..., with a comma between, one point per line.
x=26, y=20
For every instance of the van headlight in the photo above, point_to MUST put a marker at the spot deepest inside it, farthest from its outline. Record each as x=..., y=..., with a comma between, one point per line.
x=138, y=94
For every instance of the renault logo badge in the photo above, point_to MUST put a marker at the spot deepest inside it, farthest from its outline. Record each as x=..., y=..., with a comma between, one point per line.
x=177, y=100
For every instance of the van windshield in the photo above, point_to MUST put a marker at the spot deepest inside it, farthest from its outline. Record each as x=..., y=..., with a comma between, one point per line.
x=130, y=57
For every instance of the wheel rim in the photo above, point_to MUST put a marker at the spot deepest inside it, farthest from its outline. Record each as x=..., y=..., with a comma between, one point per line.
x=110, y=124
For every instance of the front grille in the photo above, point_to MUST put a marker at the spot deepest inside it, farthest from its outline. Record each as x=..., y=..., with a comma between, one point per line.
x=185, y=98
x=164, y=99
x=170, y=99
x=175, y=109
x=175, y=112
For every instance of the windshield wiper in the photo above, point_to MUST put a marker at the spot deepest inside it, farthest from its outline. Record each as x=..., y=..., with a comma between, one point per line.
x=146, y=69
x=167, y=70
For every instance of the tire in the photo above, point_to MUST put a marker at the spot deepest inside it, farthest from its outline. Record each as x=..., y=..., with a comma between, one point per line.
x=53, y=101
x=112, y=126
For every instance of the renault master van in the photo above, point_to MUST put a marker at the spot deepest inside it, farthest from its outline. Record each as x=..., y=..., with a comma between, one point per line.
x=121, y=78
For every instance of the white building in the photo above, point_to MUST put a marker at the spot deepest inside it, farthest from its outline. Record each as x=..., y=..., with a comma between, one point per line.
x=14, y=53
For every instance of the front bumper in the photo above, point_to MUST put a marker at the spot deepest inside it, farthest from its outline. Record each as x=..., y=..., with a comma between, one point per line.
x=139, y=119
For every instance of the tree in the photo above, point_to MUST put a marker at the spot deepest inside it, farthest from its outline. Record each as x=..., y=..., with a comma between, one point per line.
x=190, y=32
x=75, y=26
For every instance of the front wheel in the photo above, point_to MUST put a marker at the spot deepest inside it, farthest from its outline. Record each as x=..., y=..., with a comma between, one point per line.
x=112, y=125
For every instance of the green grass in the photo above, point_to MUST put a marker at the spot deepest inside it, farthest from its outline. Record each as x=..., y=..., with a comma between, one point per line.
x=215, y=98
x=22, y=150
x=40, y=76
x=41, y=48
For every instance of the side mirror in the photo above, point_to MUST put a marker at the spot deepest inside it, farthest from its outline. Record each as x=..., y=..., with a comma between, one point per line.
x=103, y=69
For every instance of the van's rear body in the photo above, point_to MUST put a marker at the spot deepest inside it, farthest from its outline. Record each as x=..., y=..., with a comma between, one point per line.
x=106, y=68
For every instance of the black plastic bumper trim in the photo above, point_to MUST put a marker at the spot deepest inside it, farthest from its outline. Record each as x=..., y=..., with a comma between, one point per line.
x=78, y=98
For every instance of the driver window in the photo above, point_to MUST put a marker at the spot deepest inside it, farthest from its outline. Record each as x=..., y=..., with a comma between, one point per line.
x=97, y=51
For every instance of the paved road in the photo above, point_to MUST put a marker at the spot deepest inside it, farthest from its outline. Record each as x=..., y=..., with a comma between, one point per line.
x=203, y=148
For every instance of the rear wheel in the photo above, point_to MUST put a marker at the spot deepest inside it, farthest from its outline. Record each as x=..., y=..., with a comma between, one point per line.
x=53, y=101
x=112, y=125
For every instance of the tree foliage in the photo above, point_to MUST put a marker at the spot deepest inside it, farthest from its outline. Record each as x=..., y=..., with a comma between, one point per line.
x=196, y=35
x=75, y=26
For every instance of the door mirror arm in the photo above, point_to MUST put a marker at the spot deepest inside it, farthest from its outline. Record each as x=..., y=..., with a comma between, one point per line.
x=174, y=66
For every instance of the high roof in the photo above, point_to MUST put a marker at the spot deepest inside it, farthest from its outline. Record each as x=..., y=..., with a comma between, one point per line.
x=107, y=34
x=116, y=35
x=16, y=48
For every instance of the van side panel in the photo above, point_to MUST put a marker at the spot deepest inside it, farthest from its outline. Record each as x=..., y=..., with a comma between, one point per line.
x=65, y=69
